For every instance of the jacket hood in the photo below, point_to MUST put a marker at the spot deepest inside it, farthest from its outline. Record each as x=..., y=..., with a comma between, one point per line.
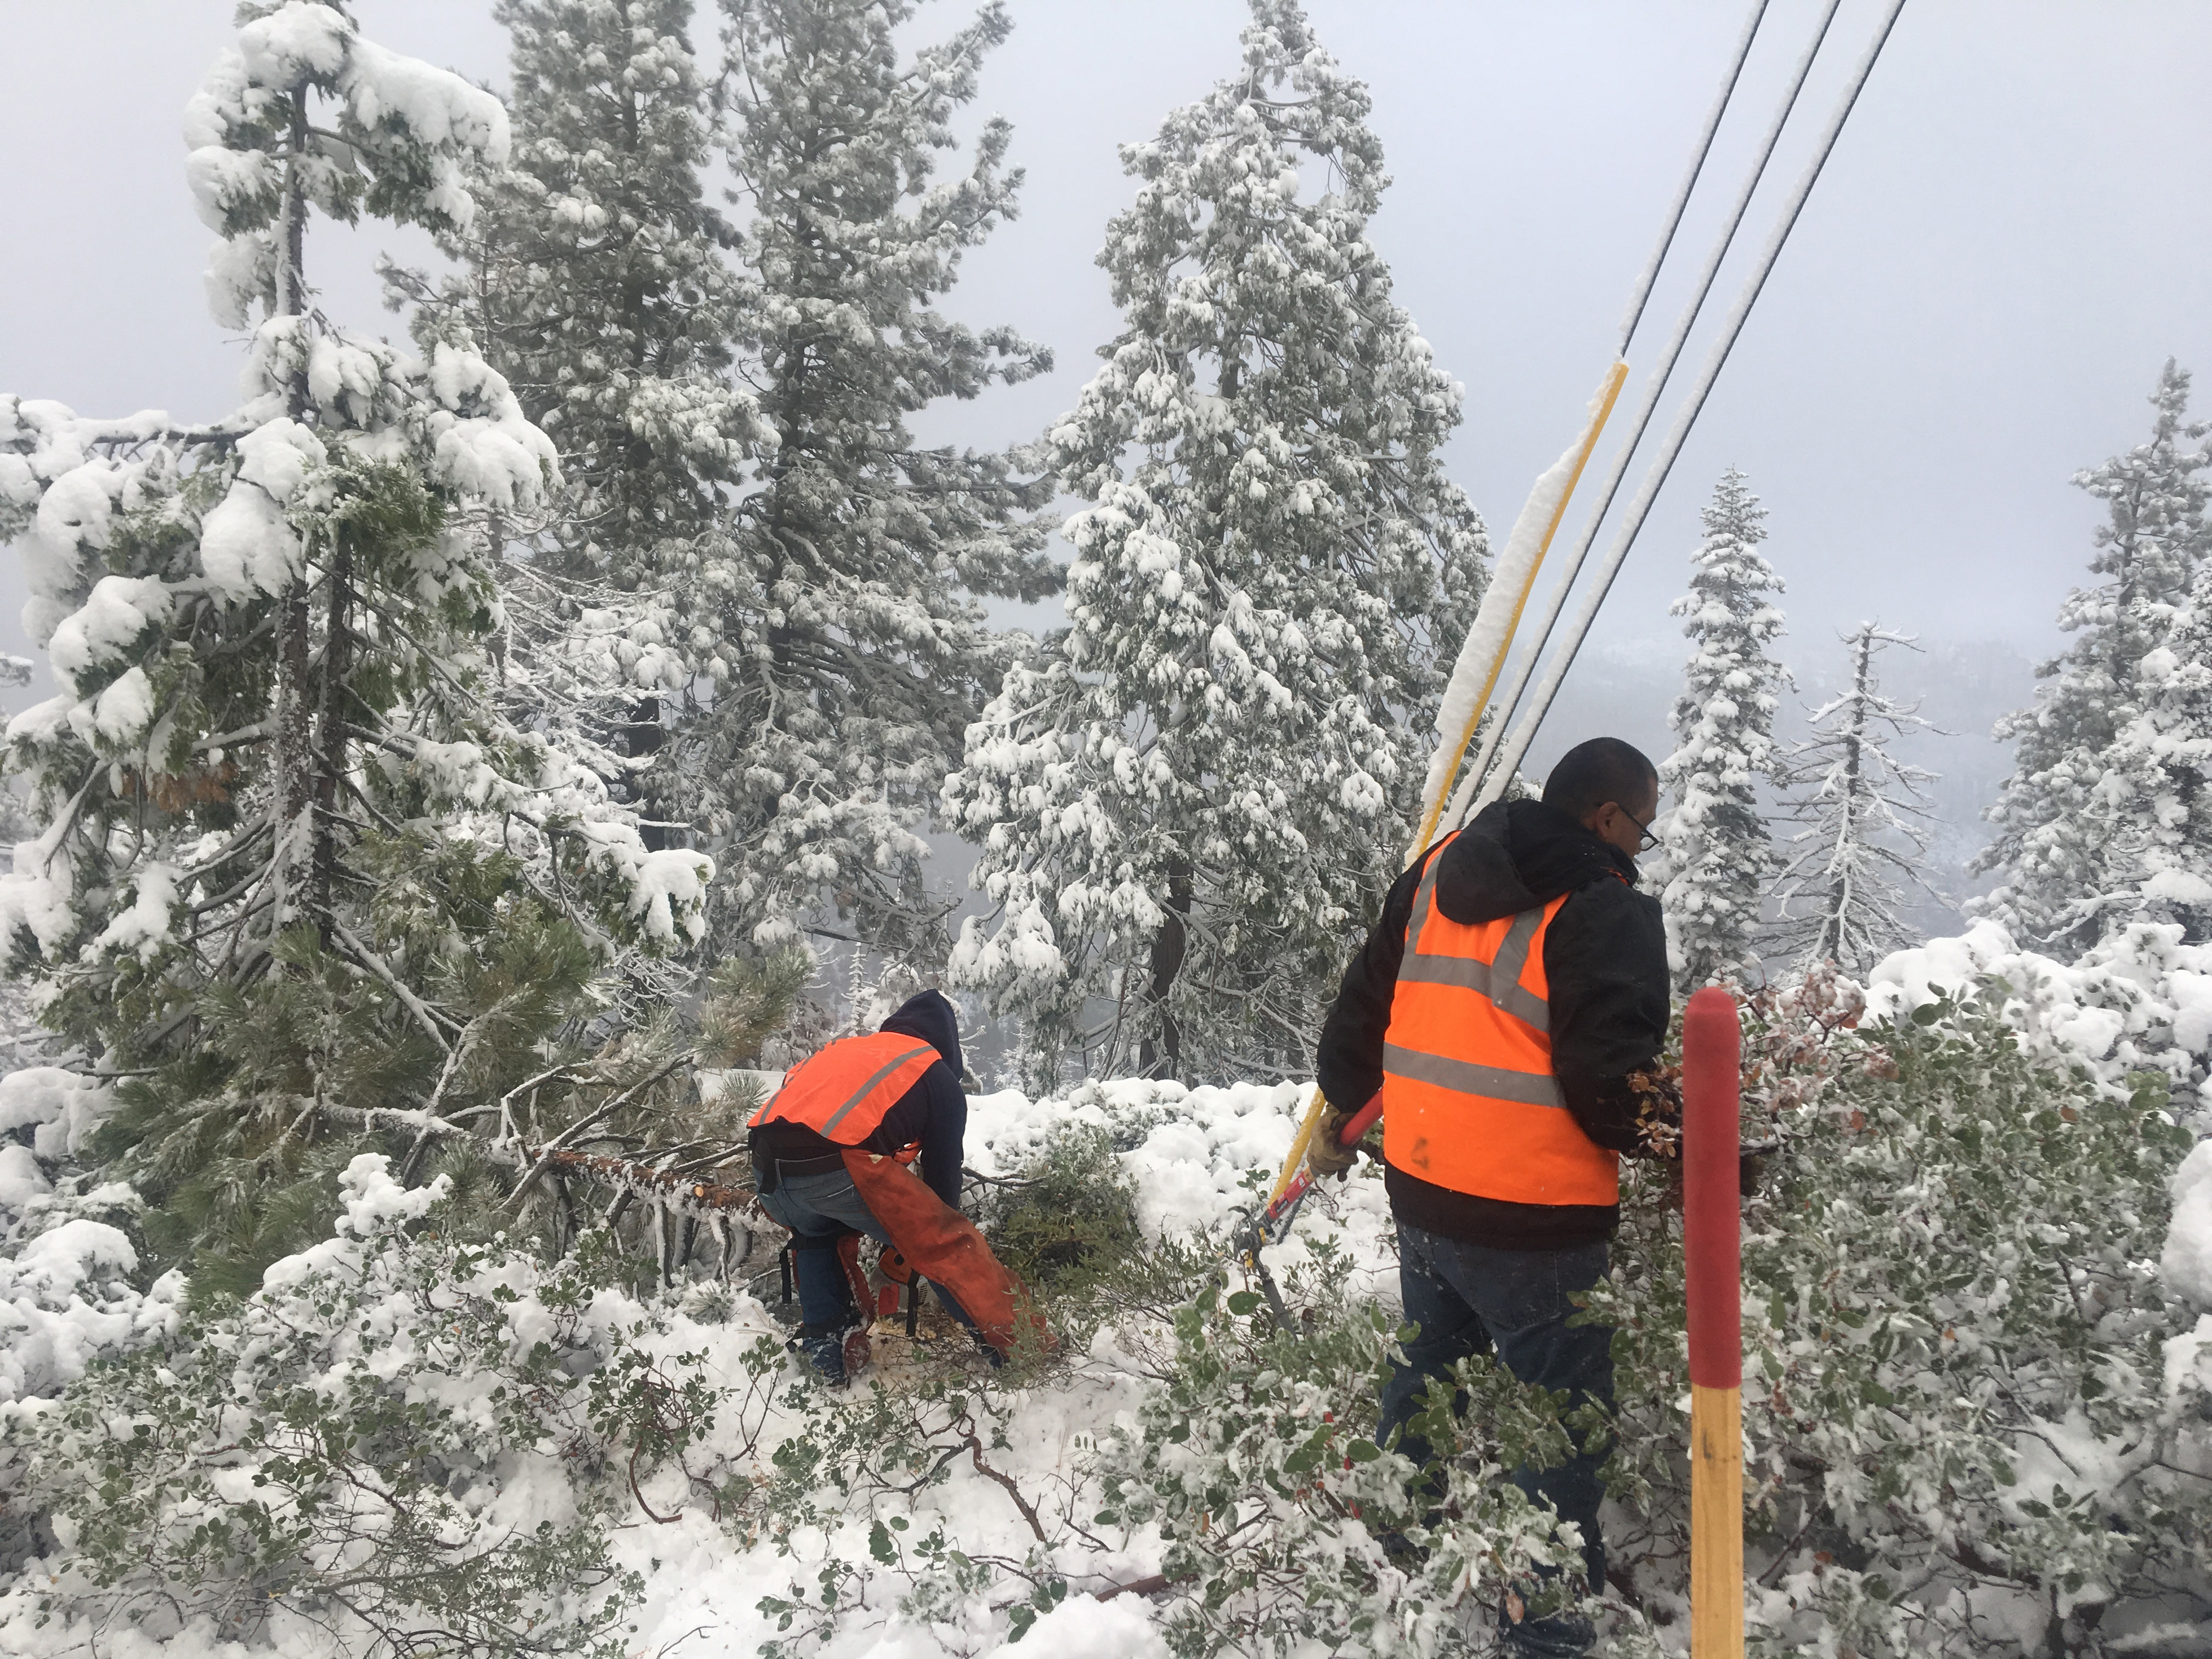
x=930, y=1016
x=1518, y=854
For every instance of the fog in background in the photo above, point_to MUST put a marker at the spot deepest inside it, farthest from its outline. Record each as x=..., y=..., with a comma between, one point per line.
x=2008, y=243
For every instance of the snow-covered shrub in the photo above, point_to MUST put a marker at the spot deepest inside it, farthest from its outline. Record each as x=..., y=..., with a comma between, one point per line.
x=2186, y=1261
x=402, y=1442
x=1285, y=1528
x=73, y=1285
x=68, y=1299
x=1970, y=1427
x=872, y=1462
x=48, y=1115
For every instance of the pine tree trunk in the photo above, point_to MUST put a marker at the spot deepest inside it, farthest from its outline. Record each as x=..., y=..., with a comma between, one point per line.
x=1169, y=945
x=1831, y=946
x=291, y=272
x=641, y=737
x=619, y=498
x=295, y=760
x=330, y=760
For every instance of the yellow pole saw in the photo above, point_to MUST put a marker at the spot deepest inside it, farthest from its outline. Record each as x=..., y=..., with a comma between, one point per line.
x=1474, y=679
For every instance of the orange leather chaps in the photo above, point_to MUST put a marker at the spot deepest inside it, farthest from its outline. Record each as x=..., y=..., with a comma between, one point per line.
x=945, y=1248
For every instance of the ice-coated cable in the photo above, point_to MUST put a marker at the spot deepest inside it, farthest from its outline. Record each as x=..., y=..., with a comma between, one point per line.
x=1524, y=734
x=1651, y=277
x=1517, y=686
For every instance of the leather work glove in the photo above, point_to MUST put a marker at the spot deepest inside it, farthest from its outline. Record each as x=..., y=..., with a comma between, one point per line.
x=1327, y=1155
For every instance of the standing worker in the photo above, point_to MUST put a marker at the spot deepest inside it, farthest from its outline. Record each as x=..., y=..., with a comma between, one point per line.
x=831, y=1150
x=1511, y=1007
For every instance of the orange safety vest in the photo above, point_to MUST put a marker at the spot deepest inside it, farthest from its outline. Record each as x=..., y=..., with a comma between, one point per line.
x=1469, y=1100
x=843, y=1091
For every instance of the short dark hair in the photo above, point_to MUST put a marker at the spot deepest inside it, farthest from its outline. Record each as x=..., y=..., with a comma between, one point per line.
x=1591, y=774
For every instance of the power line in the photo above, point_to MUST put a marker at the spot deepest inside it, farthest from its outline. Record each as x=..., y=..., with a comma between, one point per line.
x=1655, y=388
x=1510, y=760
x=1644, y=283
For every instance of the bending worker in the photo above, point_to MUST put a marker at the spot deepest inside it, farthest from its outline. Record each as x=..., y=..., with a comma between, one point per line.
x=1511, y=1006
x=831, y=1150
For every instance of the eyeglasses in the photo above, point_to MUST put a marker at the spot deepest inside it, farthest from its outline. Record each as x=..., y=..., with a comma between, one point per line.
x=1648, y=840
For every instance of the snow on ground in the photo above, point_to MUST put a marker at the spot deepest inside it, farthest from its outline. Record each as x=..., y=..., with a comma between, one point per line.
x=2142, y=1001
x=1194, y=1154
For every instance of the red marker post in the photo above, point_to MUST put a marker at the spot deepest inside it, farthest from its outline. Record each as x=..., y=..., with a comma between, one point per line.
x=1712, y=1051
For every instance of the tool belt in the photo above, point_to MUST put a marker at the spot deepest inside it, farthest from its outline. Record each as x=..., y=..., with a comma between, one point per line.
x=768, y=1173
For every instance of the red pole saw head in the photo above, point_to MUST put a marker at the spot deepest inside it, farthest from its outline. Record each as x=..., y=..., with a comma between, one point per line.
x=1274, y=1222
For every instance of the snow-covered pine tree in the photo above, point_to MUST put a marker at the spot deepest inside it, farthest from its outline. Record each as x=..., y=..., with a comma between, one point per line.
x=1189, y=804
x=1860, y=854
x=595, y=283
x=1718, y=856
x=2157, y=778
x=296, y=871
x=853, y=651
x=2079, y=817
x=593, y=276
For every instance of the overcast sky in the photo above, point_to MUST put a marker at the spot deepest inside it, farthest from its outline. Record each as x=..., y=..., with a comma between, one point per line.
x=2009, y=240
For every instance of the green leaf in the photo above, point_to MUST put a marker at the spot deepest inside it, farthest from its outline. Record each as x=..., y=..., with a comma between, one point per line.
x=1243, y=1302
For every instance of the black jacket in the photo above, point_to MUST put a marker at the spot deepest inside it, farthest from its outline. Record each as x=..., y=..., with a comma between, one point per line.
x=1605, y=954
x=934, y=1111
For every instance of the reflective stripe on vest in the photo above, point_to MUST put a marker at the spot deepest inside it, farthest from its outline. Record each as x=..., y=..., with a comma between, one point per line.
x=843, y=1092
x=1470, y=1102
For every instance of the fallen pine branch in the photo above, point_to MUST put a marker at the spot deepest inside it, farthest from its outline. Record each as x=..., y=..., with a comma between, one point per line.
x=731, y=1214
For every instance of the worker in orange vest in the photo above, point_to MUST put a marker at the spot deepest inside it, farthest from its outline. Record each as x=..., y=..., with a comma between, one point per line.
x=832, y=1153
x=1511, y=1007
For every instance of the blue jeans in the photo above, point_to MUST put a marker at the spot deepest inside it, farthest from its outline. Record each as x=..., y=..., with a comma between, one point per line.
x=821, y=1209
x=1469, y=1299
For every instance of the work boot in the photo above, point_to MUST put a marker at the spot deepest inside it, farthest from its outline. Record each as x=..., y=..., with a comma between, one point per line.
x=838, y=1350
